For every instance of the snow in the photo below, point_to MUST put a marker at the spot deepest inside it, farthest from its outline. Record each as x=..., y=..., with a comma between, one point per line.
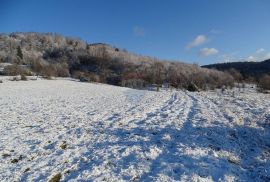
x=96, y=132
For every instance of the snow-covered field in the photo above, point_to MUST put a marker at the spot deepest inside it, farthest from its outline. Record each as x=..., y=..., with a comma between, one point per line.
x=95, y=132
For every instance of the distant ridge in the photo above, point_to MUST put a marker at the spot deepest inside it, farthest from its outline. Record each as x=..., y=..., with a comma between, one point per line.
x=247, y=69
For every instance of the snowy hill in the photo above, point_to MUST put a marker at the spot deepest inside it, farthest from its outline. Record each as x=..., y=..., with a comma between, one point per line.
x=96, y=132
x=50, y=55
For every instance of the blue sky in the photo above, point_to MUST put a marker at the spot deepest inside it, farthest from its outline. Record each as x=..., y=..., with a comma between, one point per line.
x=193, y=31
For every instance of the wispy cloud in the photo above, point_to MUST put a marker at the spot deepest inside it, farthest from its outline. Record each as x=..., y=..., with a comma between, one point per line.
x=199, y=40
x=205, y=52
x=260, y=55
x=260, y=50
x=227, y=58
x=138, y=31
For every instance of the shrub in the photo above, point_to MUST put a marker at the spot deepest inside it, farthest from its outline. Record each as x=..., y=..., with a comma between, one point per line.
x=62, y=70
x=13, y=70
x=86, y=77
x=37, y=65
x=94, y=77
x=264, y=83
x=192, y=87
x=235, y=74
x=23, y=77
x=77, y=74
x=48, y=71
x=56, y=178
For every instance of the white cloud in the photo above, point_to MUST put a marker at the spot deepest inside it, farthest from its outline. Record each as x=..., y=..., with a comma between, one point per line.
x=260, y=50
x=208, y=52
x=138, y=31
x=227, y=58
x=199, y=40
x=260, y=55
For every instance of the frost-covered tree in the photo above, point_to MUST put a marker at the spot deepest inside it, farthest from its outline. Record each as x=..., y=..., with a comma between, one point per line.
x=55, y=55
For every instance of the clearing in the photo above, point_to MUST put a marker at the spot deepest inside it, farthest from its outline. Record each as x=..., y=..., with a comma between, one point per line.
x=95, y=132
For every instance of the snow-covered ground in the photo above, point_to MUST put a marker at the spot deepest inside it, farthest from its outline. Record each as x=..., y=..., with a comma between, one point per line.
x=95, y=132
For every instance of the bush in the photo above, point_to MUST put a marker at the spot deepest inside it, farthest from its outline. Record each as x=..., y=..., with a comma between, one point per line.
x=13, y=70
x=37, y=65
x=77, y=74
x=192, y=87
x=23, y=77
x=85, y=77
x=56, y=178
x=264, y=83
x=49, y=71
x=62, y=70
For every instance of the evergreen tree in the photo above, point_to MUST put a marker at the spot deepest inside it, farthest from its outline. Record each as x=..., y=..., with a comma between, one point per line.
x=19, y=52
x=87, y=46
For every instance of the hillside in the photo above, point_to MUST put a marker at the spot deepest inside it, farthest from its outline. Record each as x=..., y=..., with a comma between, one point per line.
x=247, y=69
x=50, y=54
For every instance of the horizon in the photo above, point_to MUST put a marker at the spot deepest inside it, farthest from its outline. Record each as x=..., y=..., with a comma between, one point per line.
x=168, y=31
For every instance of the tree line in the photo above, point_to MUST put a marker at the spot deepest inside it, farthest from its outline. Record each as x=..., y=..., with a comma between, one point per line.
x=49, y=55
